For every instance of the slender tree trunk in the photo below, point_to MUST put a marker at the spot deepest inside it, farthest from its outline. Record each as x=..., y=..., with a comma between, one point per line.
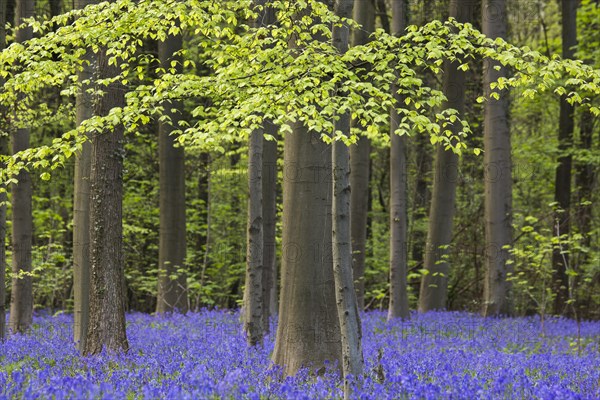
x=345, y=293
x=3, y=151
x=398, y=307
x=269, y=210
x=364, y=14
x=106, y=328
x=253, y=296
x=81, y=204
x=434, y=285
x=172, y=287
x=21, y=305
x=497, y=173
x=423, y=161
x=308, y=332
x=562, y=189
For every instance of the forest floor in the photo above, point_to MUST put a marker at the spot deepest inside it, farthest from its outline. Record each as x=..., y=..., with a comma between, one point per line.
x=204, y=355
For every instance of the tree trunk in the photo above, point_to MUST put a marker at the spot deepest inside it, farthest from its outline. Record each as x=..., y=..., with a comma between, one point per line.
x=562, y=188
x=21, y=305
x=398, y=307
x=3, y=151
x=308, y=332
x=364, y=14
x=269, y=210
x=81, y=205
x=253, y=296
x=434, y=285
x=172, y=287
x=497, y=174
x=106, y=328
x=345, y=293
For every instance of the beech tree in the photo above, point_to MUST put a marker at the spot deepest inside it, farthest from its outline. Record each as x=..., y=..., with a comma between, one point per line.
x=497, y=170
x=398, y=307
x=81, y=199
x=172, y=286
x=21, y=297
x=3, y=151
x=360, y=165
x=434, y=284
x=562, y=187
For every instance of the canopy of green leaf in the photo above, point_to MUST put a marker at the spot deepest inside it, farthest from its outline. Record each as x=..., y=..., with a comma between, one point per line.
x=289, y=72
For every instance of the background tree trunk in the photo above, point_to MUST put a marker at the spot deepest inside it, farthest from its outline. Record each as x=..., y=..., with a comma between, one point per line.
x=398, y=193
x=360, y=157
x=253, y=296
x=81, y=204
x=562, y=188
x=269, y=210
x=3, y=151
x=172, y=287
x=345, y=293
x=497, y=172
x=434, y=285
x=21, y=304
x=106, y=327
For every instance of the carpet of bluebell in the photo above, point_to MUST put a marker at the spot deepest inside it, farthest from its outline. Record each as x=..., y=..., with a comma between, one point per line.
x=204, y=355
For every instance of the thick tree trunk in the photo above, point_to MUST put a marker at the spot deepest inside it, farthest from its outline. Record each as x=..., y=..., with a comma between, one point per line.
x=398, y=307
x=497, y=174
x=364, y=14
x=434, y=285
x=81, y=205
x=562, y=189
x=253, y=296
x=106, y=328
x=269, y=210
x=308, y=332
x=345, y=293
x=172, y=287
x=21, y=305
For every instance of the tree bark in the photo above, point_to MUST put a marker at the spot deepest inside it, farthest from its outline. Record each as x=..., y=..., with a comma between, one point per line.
x=106, y=328
x=497, y=173
x=308, y=332
x=398, y=307
x=364, y=14
x=253, y=296
x=3, y=197
x=269, y=210
x=172, y=286
x=345, y=293
x=81, y=204
x=562, y=188
x=21, y=305
x=434, y=285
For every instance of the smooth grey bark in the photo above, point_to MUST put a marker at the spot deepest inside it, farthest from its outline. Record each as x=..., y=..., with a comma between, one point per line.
x=398, y=307
x=172, y=286
x=364, y=14
x=308, y=332
x=106, y=328
x=498, y=173
x=21, y=304
x=81, y=203
x=253, y=295
x=3, y=151
x=269, y=210
x=434, y=284
x=562, y=188
x=345, y=293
